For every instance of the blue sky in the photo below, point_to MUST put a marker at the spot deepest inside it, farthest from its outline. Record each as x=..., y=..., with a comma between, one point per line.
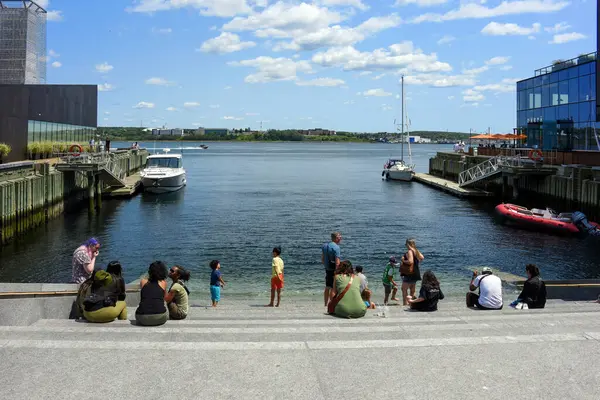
x=333, y=64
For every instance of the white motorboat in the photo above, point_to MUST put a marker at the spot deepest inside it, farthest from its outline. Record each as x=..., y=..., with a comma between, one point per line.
x=163, y=173
x=398, y=169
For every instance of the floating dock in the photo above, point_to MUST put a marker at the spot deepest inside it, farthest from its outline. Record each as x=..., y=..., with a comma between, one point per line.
x=133, y=185
x=450, y=186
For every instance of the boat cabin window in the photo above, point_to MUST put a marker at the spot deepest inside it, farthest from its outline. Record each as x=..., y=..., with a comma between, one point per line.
x=166, y=162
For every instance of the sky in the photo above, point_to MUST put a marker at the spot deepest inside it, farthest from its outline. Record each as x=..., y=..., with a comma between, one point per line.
x=331, y=64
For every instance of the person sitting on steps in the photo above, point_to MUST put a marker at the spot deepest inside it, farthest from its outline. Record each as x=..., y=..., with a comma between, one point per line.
x=490, y=291
x=178, y=296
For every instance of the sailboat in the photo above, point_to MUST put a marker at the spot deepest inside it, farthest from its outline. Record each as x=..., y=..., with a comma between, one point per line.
x=397, y=169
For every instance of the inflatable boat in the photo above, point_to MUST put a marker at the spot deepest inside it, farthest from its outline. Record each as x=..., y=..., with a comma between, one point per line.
x=547, y=220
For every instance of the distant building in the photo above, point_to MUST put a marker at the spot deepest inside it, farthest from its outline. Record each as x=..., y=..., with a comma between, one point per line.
x=317, y=132
x=167, y=132
x=417, y=139
x=22, y=43
x=213, y=131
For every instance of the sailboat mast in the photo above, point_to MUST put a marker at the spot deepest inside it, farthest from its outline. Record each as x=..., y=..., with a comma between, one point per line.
x=402, y=130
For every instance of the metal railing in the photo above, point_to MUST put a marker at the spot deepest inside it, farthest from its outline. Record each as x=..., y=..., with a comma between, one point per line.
x=559, y=65
x=487, y=169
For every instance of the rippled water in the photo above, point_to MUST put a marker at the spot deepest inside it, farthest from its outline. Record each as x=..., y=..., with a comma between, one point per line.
x=244, y=198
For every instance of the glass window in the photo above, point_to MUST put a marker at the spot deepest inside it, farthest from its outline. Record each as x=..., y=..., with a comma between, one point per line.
x=562, y=113
x=537, y=97
x=593, y=85
x=584, y=88
x=529, y=116
x=523, y=100
x=520, y=86
x=585, y=69
x=521, y=119
x=574, y=72
x=554, y=77
x=529, y=83
x=537, y=81
x=549, y=114
x=574, y=111
x=29, y=131
x=545, y=79
x=563, y=75
x=530, y=102
x=563, y=92
x=546, y=96
x=36, y=131
x=554, y=94
x=573, y=90
x=585, y=114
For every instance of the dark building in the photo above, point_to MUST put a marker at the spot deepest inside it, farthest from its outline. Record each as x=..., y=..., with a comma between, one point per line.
x=57, y=113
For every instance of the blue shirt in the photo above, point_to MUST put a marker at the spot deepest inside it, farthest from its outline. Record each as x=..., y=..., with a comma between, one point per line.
x=331, y=251
x=214, y=278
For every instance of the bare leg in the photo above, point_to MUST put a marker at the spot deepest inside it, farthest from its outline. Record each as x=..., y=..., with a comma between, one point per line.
x=413, y=287
x=386, y=297
x=404, y=293
x=326, y=296
x=272, y=298
x=278, y=297
x=214, y=303
x=394, y=293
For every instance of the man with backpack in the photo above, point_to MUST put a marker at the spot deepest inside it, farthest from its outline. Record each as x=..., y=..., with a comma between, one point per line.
x=490, y=291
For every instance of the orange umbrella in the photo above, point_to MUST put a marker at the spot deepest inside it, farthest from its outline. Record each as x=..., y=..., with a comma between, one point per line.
x=482, y=136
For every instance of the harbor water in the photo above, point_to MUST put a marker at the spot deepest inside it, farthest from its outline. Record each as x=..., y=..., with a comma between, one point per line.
x=242, y=199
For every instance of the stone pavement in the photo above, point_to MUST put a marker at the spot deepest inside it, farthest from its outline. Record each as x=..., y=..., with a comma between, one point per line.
x=242, y=350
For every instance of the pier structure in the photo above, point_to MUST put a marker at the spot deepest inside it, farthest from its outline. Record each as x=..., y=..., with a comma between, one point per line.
x=33, y=193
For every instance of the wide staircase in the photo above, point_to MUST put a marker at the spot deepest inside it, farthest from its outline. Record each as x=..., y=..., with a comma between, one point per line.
x=242, y=350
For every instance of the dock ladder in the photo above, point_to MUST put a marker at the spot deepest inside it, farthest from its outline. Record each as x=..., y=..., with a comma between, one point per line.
x=488, y=169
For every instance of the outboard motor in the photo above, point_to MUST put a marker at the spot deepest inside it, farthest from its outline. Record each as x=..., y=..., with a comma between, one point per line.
x=584, y=226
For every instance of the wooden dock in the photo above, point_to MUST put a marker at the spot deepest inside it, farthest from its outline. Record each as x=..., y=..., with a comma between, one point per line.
x=450, y=186
x=133, y=184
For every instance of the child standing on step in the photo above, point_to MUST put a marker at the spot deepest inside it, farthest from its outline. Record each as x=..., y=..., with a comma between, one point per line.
x=276, y=276
x=216, y=282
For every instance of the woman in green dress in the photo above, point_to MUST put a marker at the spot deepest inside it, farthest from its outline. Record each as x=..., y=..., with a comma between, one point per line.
x=346, y=293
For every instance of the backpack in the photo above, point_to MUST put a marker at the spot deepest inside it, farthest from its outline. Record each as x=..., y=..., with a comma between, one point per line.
x=85, y=290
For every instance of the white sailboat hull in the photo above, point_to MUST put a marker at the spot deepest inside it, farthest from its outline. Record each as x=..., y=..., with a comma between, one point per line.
x=405, y=175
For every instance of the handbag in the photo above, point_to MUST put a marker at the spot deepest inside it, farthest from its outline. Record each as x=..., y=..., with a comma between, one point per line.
x=334, y=302
x=406, y=268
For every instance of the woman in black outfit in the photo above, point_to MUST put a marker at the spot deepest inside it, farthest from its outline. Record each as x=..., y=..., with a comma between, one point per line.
x=429, y=294
x=534, y=289
x=152, y=310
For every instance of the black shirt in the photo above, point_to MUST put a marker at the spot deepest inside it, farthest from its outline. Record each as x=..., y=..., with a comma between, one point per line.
x=534, y=293
x=431, y=295
x=152, y=300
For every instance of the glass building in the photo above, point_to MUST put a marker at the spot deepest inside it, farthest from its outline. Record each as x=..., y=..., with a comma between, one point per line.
x=40, y=131
x=22, y=42
x=556, y=109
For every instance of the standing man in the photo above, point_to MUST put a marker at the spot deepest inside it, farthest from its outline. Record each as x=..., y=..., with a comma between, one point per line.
x=490, y=291
x=330, y=257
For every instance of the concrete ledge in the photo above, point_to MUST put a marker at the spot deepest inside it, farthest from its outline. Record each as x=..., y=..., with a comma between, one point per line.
x=570, y=289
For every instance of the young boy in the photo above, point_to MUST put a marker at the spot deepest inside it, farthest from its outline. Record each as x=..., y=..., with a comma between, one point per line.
x=216, y=282
x=276, y=276
x=389, y=281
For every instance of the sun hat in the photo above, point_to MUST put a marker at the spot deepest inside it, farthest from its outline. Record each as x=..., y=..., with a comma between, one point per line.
x=486, y=270
x=393, y=260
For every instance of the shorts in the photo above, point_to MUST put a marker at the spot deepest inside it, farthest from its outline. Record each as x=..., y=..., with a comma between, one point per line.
x=277, y=282
x=409, y=280
x=387, y=288
x=329, y=279
x=215, y=293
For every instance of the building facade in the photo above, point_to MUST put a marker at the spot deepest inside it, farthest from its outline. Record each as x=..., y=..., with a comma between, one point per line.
x=167, y=132
x=56, y=113
x=22, y=42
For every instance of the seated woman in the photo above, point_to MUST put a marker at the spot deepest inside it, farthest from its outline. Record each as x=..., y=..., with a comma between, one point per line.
x=429, y=294
x=152, y=310
x=106, y=299
x=177, y=298
x=534, y=289
x=366, y=296
x=346, y=301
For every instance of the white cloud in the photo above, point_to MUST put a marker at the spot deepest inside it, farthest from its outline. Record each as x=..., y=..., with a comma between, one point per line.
x=497, y=29
x=104, y=67
x=214, y=106
x=217, y=8
x=376, y=93
x=56, y=64
x=337, y=35
x=450, y=97
x=363, y=73
x=349, y=102
x=321, y=82
x=171, y=109
x=227, y=88
x=476, y=71
x=191, y=104
x=269, y=69
x=105, y=87
x=162, y=31
x=446, y=39
x=507, y=85
x=469, y=105
x=440, y=80
x=55, y=16
x=352, y=3
x=230, y=118
x=506, y=7
x=567, y=37
x=387, y=107
x=144, y=104
x=420, y=3
x=159, y=82
x=52, y=53
x=106, y=112
x=557, y=28
x=400, y=55
x=472, y=96
x=226, y=42
x=497, y=60
x=506, y=67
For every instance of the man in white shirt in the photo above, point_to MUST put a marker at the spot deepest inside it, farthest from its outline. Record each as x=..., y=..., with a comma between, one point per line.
x=490, y=291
